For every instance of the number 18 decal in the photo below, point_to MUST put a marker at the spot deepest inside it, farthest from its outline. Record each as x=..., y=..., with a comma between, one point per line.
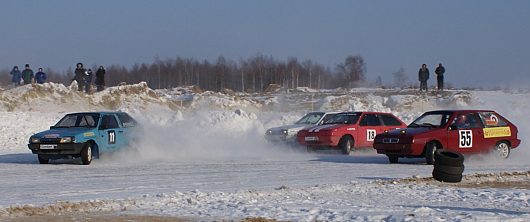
x=370, y=135
x=466, y=139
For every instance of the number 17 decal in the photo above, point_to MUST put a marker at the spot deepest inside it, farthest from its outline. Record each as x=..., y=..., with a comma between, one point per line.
x=466, y=138
x=112, y=137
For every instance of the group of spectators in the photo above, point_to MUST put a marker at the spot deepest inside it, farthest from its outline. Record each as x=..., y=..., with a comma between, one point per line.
x=423, y=76
x=82, y=76
x=26, y=76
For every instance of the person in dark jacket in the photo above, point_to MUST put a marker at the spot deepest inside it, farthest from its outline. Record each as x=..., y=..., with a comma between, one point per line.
x=27, y=75
x=79, y=76
x=17, y=76
x=88, y=80
x=40, y=76
x=423, y=76
x=100, y=78
x=440, y=70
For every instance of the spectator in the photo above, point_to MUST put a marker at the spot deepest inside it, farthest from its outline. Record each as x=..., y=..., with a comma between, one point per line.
x=440, y=70
x=27, y=75
x=423, y=76
x=79, y=76
x=88, y=80
x=100, y=78
x=40, y=76
x=17, y=76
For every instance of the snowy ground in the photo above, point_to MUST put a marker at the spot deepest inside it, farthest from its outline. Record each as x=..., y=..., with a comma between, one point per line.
x=204, y=157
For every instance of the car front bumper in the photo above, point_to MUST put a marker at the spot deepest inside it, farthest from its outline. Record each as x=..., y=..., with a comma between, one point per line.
x=66, y=149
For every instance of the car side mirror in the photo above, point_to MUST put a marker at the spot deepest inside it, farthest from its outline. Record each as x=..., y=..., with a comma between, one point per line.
x=452, y=127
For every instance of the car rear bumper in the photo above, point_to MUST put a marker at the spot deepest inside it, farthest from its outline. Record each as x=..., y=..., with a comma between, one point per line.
x=60, y=149
x=515, y=143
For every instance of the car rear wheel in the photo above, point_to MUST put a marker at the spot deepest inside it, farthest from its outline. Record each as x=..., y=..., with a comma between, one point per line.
x=503, y=149
x=346, y=144
x=43, y=160
x=86, y=154
x=393, y=158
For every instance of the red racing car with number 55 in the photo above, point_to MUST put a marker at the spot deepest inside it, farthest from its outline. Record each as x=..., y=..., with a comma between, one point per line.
x=464, y=131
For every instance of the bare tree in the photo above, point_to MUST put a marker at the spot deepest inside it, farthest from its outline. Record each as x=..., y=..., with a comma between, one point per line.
x=400, y=78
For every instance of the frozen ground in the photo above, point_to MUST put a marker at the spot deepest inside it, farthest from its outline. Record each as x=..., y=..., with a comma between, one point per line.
x=203, y=157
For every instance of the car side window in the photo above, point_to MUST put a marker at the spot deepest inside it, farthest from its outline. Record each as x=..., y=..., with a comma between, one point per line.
x=491, y=119
x=370, y=120
x=109, y=122
x=466, y=121
x=390, y=120
x=327, y=118
x=126, y=120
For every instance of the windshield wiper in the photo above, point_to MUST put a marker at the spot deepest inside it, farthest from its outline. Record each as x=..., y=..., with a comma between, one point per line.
x=429, y=125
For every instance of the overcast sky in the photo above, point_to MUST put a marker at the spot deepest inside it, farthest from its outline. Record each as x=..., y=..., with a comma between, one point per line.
x=481, y=43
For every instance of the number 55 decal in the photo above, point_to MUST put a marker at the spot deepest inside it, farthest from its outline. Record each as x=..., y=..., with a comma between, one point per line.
x=466, y=139
x=112, y=137
x=370, y=135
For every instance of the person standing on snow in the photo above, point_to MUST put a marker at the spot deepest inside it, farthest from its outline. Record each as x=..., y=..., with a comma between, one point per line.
x=40, y=76
x=79, y=76
x=27, y=75
x=88, y=80
x=17, y=76
x=440, y=70
x=100, y=78
x=423, y=76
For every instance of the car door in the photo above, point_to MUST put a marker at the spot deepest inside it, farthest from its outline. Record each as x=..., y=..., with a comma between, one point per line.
x=465, y=134
x=111, y=135
x=369, y=126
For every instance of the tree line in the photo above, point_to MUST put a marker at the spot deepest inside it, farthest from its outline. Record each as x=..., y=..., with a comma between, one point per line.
x=253, y=74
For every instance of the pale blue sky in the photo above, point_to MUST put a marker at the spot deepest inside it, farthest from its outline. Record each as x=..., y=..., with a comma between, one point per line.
x=481, y=43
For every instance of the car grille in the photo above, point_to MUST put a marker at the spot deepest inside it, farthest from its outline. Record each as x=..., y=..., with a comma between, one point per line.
x=50, y=140
x=390, y=140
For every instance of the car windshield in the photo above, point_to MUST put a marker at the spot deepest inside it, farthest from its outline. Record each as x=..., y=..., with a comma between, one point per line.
x=78, y=120
x=310, y=118
x=344, y=119
x=434, y=120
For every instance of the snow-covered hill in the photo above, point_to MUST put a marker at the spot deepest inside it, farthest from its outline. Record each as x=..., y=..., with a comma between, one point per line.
x=214, y=142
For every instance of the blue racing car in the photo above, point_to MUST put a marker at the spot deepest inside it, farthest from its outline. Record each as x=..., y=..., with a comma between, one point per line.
x=83, y=135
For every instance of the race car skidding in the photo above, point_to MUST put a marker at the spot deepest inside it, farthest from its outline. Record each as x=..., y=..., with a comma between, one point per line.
x=287, y=134
x=463, y=131
x=349, y=130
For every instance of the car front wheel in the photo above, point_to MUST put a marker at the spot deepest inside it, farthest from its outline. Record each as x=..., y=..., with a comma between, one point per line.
x=346, y=144
x=86, y=154
x=43, y=160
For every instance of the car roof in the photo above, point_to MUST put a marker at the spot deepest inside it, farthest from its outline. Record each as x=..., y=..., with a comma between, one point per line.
x=98, y=113
x=364, y=112
x=460, y=111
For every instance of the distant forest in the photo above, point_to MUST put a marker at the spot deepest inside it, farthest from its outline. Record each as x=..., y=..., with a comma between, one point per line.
x=254, y=74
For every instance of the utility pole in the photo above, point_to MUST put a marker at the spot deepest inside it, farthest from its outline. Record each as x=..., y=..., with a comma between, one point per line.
x=242, y=81
x=159, y=75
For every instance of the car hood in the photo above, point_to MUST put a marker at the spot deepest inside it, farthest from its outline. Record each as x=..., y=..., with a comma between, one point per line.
x=410, y=131
x=291, y=127
x=60, y=132
x=317, y=129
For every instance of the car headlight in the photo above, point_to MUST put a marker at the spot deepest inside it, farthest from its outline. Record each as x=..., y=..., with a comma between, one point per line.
x=285, y=132
x=34, y=140
x=269, y=132
x=67, y=139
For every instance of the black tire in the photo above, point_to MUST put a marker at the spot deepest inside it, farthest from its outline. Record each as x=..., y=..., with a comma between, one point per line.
x=503, y=149
x=86, y=154
x=430, y=148
x=444, y=177
x=310, y=149
x=43, y=160
x=456, y=170
x=392, y=158
x=346, y=145
x=448, y=158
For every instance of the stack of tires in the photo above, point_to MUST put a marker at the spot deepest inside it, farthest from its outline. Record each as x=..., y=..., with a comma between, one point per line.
x=448, y=166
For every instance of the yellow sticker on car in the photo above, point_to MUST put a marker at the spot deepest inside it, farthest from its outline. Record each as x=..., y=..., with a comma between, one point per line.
x=497, y=132
x=88, y=134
